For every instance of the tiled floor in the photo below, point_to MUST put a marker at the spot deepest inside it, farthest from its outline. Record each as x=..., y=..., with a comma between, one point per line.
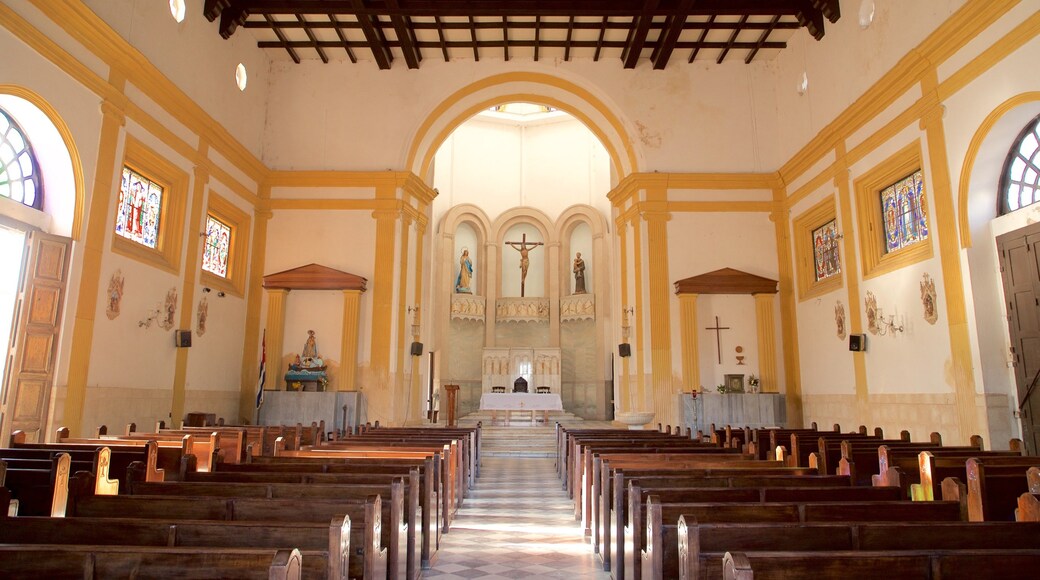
x=517, y=523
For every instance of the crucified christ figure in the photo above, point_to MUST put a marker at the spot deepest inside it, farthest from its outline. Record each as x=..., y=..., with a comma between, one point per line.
x=523, y=246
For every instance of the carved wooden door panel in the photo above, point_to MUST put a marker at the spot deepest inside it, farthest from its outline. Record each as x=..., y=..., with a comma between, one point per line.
x=1019, y=253
x=34, y=344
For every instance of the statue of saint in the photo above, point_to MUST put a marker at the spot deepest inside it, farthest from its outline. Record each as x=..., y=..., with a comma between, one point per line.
x=463, y=281
x=310, y=348
x=579, y=274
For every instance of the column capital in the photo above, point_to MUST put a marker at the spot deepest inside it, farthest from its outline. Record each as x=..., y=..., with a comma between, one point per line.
x=114, y=110
x=387, y=214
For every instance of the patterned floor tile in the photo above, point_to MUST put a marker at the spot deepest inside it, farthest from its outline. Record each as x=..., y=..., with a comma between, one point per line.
x=516, y=523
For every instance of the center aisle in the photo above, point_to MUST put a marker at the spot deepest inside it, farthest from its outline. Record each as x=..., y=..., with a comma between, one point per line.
x=517, y=523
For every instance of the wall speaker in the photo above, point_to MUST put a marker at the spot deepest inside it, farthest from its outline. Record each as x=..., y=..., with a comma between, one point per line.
x=416, y=349
x=182, y=338
x=624, y=349
x=857, y=342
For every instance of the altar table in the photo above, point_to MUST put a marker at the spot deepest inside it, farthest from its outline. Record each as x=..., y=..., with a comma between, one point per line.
x=510, y=402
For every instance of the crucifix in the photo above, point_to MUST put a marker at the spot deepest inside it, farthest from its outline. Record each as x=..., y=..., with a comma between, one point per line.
x=718, y=335
x=523, y=247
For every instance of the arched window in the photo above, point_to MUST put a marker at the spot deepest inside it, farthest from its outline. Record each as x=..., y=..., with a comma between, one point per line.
x=19, y=171
x=1020, y=181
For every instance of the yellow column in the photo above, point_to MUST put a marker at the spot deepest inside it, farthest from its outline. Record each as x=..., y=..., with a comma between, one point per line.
x=382, y=303
x=275, y=336
x=788, y=314
x=851, y=266
x=691, y=364
x=254, y=291
x=945, y=223
x=112, y=119
x=400, y=399
x=415, y=409
x=664, y=399
x=766, y=322
x=180, y=371
x=641, y=402
x=348, y=356
x=624, y=402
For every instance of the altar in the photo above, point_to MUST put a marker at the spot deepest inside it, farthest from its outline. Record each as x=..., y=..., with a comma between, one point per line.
x=510, y=402
x=755, y=410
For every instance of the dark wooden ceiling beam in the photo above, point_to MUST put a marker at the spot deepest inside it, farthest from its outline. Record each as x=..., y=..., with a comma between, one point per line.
x=761, y=41
x=473, y=35
x=342, y=38
x=704, y=34
x=535, y=7
x=674, y=28
x=729, y=45
x=404, y=35
x=604, y=25
x=811, y=18
x=570, y=37
x=310, y=34
x=637, y=35
x=537, y=35
x=380, y=51
x=602, y=35
x=497, y=44
x=440, y=35
x=505, y=38
x=285, y=42
x=232, y=15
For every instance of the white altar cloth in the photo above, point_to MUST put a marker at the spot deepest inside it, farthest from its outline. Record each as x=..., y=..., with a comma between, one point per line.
x=520, y=402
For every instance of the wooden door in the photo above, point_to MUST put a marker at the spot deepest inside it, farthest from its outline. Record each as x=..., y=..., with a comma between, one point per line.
x=1019, y=253
x=34, y=344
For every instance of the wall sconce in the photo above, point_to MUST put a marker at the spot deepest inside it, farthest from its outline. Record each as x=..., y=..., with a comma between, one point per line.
x=206, y=290
x=887, y=325
x=221, y=294
x=416, y=326
x=626, y=321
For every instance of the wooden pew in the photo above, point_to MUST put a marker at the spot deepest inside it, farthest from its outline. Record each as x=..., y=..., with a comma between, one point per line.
x=406, y=522
x=159, y=460
x=661, y=534
x=924, y=564
x=344, y=470
x=366, y=515
x=901, y=467
x=702, y=545
x=99, y=462
x=205, y=448
x=72, y=561
x=325, y=547
x=37, y=491
x=653, y=543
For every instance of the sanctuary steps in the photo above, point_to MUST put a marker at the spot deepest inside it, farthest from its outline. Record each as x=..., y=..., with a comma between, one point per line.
x=521, y=437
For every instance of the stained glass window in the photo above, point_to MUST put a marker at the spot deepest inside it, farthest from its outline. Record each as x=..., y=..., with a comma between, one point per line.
x=19, y=171
x=1020, y=183
x=218, y=244
x=902, y=212
x=139, y=209
x=825, y=250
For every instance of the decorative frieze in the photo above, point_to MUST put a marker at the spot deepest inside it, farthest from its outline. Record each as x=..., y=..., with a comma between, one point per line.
x=578, y=307
x=522, y=310
x=467, y=307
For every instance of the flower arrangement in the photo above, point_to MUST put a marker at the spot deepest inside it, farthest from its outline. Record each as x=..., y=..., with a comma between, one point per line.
x=721, y=388
x=753, y=383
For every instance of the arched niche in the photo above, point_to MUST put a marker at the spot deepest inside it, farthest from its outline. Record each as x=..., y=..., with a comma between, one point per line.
x=279, y=285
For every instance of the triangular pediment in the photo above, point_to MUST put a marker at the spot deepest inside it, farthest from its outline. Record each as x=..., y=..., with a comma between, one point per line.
x=315, y=277
x=726, y=281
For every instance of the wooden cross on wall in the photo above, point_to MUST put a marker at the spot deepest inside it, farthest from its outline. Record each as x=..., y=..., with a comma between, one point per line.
x=718, y=335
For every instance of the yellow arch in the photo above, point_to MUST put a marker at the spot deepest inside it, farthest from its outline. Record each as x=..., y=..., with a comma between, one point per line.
x=537, y=78
x=973, y=151
x=70, y=146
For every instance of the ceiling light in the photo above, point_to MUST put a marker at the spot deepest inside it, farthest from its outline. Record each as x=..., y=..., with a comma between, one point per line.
x=803, y=84
x=866, y=14
x=240, y=76
x=177, y=9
